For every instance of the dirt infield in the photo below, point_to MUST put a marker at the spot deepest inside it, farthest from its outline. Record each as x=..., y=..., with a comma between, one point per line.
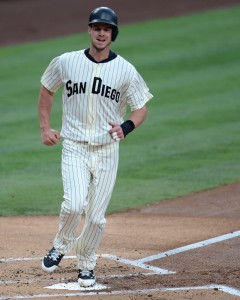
x=140, y=250
x=31, y=20
x=185, y=248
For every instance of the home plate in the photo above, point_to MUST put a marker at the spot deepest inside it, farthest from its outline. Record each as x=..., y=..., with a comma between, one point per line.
x=74, y=286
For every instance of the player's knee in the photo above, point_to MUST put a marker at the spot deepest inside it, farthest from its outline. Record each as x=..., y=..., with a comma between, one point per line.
x=98, y=222
x=71, y=207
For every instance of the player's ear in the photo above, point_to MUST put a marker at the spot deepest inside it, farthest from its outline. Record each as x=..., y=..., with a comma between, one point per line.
x=89, y=29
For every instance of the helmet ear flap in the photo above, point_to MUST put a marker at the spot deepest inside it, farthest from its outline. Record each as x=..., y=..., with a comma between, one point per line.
x=114, y=33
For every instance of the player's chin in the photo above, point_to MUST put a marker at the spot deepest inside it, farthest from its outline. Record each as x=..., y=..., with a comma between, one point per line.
x=101, y=45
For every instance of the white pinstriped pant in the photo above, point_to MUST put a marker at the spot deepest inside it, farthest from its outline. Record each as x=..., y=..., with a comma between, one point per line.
x=88, y=174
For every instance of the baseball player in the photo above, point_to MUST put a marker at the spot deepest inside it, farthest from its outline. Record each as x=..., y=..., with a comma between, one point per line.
x=98, y=85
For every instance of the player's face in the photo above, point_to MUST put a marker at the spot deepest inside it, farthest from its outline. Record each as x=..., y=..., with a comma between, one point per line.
x=101, y=35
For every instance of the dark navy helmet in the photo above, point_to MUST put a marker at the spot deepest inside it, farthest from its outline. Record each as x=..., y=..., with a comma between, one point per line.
x=105, y=15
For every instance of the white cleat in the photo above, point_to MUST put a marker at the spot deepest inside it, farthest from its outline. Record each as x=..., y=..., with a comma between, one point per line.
x=86, y=278
x=51, y=260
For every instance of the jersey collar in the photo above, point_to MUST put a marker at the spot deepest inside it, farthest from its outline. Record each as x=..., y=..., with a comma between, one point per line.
x=111, y=56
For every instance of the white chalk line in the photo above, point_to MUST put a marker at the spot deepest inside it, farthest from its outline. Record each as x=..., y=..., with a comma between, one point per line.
x=12, y=259
x=140, y=263
x=134, y=263
x=190, y=247
x=145, y=259
x=222, y=288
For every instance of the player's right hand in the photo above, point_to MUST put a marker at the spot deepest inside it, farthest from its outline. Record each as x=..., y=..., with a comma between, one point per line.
x=50, y=137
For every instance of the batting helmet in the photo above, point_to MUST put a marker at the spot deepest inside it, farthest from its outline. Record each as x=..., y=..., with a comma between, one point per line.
x=105, y=15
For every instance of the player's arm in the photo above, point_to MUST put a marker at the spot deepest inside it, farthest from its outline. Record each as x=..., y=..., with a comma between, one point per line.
x=45, y=101
x=136, y=118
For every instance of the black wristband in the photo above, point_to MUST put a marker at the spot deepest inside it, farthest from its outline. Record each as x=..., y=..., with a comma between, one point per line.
x=127, y=127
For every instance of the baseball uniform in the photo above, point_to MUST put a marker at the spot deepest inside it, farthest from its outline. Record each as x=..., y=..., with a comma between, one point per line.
x=93, y=95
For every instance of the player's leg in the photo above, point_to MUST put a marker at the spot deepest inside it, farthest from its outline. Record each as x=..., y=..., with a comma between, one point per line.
x=100, y=192
x=76, y=178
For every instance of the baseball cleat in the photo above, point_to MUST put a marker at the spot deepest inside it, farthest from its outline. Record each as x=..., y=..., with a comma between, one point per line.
x=86, y=278
x=51, y=260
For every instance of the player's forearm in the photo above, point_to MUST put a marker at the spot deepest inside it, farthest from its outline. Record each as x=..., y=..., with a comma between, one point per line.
x=138, y=116
x=135, y=119
x=45, y=102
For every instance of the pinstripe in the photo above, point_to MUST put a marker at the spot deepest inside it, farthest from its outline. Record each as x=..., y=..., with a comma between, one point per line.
x=93, y=94
x=89, y=174
x=86, y=111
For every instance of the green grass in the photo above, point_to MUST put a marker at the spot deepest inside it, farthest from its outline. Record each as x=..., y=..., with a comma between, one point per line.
x=190, y=141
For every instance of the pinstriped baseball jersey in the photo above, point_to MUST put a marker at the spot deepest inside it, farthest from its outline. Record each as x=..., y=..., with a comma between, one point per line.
x=94, y=93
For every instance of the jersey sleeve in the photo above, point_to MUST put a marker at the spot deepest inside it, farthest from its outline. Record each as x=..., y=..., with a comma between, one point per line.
x=138, y=93
x=52, y=77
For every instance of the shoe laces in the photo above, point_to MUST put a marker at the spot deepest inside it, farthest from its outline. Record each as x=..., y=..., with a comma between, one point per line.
x=54, y=255
x=86, y=273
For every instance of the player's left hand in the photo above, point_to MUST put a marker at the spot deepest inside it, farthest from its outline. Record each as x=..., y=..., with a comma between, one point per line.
x=116, y=132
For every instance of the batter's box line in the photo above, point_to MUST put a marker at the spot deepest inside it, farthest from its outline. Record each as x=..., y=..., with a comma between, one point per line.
x=136, y=263
x=141, y=262
x=126, y=261
x=222, y=288
x=208, y=242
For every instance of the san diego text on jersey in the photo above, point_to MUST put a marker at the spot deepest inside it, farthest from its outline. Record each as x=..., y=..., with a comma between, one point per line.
x=97, y=88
